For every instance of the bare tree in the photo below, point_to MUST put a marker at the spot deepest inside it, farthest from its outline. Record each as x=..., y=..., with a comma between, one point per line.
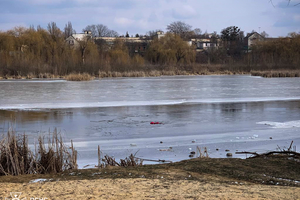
x=113, y=33
x=180, y=28
x=101, y=30
x=92, y=28
x=68, y=30
x=197, y=31
x=293, y=34
x=54, y=31
x=288, y=3
x=83, y=45
x=152, y=34
x=264, y=34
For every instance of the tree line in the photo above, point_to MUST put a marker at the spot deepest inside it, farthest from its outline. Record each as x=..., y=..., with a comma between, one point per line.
x=35, y=51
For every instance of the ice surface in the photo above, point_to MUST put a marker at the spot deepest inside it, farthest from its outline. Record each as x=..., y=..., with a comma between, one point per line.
x=218, y=112
x=289, y=124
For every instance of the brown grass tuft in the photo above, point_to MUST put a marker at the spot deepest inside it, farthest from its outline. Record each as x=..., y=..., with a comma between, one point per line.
x=79, y=77
x=16, y=158
x=276, y=74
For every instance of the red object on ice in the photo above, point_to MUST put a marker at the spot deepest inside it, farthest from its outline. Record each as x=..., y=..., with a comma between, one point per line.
x=154, y=123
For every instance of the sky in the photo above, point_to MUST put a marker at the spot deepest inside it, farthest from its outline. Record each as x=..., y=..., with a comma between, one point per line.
x=140, y=16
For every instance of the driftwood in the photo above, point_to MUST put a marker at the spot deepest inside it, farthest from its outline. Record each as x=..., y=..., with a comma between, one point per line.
x=288, y=153
x=168, y=161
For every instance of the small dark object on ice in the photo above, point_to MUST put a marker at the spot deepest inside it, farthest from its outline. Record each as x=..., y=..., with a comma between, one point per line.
x=271, y=138
x=227, y=150
x=193, y=153
x=161, y=142
x=229, y=154
x=217, y=149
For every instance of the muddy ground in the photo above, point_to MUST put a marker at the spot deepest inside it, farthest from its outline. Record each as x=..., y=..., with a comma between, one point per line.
x=205, y=178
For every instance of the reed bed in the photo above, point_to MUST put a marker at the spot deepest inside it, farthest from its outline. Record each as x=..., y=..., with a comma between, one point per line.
x=16, y=158
x=106, y=161
x=79, y=77
x=277, y=73
x=130, y=161
x=151, y=73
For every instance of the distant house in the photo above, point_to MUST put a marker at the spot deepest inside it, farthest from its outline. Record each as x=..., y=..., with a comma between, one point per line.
x=159, y=34
x=203, y=44
x=135, y=45
x=74, y=39
x=251, y=39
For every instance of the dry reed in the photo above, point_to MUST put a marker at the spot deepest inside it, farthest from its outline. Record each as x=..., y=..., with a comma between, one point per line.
x=110, y=161
x=204, y=154
x=79, y=77
x=16, y=158
x=276, y=74
x=130, y=161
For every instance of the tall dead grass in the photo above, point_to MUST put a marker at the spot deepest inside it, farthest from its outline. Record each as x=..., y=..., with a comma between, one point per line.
x=106, y=161
x=276, y=73
x=16, y=158
x=79, y=77
x=150, y=73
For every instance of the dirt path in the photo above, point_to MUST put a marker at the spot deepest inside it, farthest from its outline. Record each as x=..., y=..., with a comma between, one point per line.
x=146, y=189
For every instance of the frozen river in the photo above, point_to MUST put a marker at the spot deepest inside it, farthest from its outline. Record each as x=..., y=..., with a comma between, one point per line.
x=218, y=112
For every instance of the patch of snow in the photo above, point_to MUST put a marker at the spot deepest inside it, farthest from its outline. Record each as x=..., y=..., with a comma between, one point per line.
x=39, y=180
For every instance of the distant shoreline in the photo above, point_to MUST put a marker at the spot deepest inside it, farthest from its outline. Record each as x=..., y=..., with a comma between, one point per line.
x=158, y=73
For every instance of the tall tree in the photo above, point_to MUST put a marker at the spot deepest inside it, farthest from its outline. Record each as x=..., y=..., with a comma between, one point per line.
x=230, y=33
x=180, y=28
x=171, y=49
x=68, y=31
x=84, y=43
x=232, y=38
x=53, y=29
x=197, y=31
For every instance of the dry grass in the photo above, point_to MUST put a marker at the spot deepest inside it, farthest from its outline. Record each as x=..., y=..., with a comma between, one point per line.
x=16, y=158
x=151, y=73
x=79, y=77
x=46, y=75
x=277, y=73
x=108, y=161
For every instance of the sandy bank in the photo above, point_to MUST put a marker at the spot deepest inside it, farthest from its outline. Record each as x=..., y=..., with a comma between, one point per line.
x=147, y=189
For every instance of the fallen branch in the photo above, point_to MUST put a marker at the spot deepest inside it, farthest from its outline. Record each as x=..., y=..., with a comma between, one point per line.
x=154, y=160
x=256, y=155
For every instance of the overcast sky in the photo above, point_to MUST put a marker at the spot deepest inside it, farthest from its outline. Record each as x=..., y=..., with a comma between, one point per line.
x=140, y=16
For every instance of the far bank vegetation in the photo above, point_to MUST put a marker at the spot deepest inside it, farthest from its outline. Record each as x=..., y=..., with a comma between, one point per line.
x=79, y=77
x=44, y=53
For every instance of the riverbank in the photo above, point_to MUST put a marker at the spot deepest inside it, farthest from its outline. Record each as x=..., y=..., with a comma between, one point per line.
x=157, y=73
x=276, y=73
x=259, y=178
x=110, y=74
